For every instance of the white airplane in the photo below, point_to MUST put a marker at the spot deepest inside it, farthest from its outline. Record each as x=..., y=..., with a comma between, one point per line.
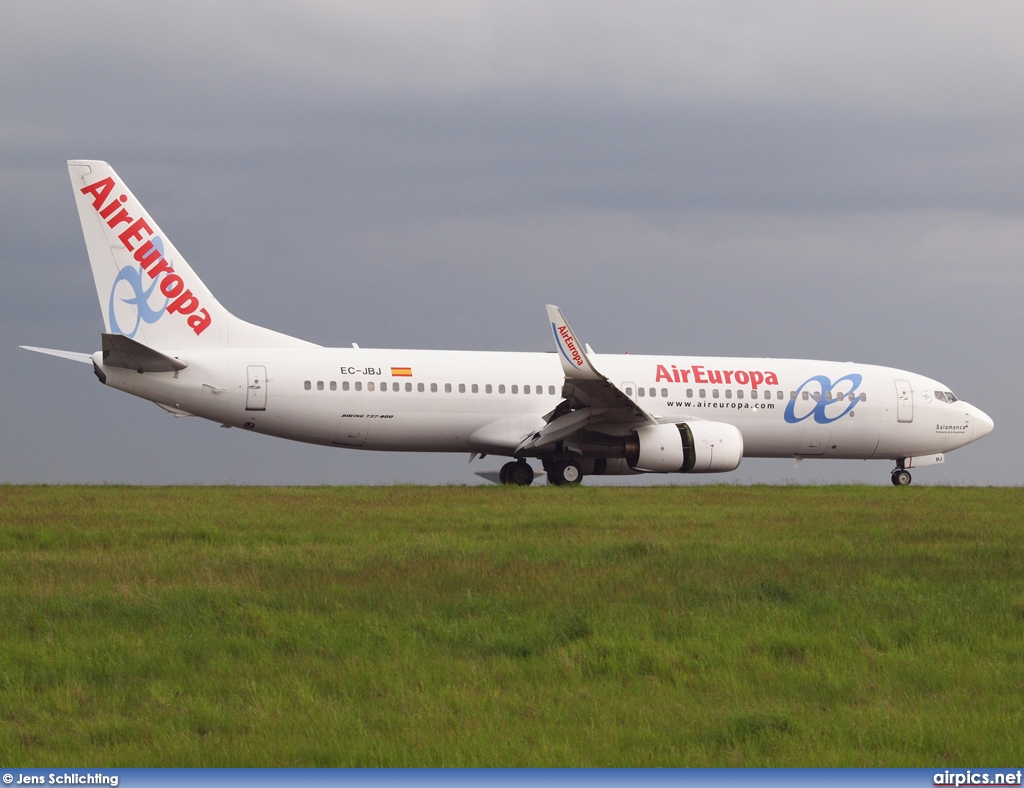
x=168, y=340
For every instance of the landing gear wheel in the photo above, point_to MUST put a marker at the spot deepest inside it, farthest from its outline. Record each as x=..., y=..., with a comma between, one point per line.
x=901, y=477
x=565, y=472
x=518, y=473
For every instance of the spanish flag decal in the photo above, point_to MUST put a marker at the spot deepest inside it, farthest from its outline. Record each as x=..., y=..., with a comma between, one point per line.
x=401, y=372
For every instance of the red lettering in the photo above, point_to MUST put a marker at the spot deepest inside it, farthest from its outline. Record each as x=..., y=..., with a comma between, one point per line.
x=698, y=374
x=147, y=254
x=662, y=374
x=685, y=375
x=120, y=216
x=756, y=378
x=728, y=376
x=200, y=322
x=171, y=285
x=161, y=266
x=742, y=377
x=714, y=376
x=771, y=379
x=99, y=191
x=135, y=231
x=185, y=304
x=114, y=205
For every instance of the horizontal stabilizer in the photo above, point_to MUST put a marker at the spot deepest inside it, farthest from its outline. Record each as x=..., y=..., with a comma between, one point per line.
x=84, y=358
x=121, y=351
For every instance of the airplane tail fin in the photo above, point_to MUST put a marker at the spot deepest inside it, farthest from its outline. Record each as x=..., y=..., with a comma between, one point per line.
x=147, y=291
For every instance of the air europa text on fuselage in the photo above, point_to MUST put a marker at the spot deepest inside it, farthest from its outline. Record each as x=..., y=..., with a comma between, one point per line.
x=181, y=300
x=699, y=374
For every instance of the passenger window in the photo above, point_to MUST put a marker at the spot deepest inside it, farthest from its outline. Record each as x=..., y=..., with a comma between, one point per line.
x=703, y=393
x=447, y=388
x=334, y=385
x=714, y=393
x=863, y=397
x=805, y=395
x=640, y=392
x=433, y=388
x=781, y=395
x=689, y=392
x=728, y=393
x=319, y=385
x=419, y=387
x=344, y=385
x=526, y=389
x=515, y=389
x=476, y=389
x=462, y=388
x=408, y=386
x=551, y=390
x=739, y=394
x=539, y=389
x=816, y=396
x=307, y=385
x=501, y=388
x=359, y=385
x=664, y=392
x=384, y=386
x=629, y=391
x=828, y=396
x=753, y=394
x=487, y=388
x=651, y=392
x=369, y=386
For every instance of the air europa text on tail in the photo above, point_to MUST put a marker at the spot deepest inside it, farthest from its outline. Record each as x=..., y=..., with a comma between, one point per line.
x=181, y=300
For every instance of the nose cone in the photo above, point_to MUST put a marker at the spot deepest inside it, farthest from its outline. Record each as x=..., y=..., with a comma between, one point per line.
x=983, y=424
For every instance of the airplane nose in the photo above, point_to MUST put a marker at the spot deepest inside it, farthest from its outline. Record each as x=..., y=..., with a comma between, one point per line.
x=983, y=424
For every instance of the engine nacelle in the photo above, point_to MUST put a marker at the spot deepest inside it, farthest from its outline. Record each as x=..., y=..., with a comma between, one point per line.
x=698, y=447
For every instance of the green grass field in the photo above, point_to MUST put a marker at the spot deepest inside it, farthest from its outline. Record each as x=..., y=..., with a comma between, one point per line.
x=467, y=626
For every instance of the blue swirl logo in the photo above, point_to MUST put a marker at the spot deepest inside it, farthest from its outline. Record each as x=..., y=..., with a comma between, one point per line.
x=819, y=407
x=139, y=298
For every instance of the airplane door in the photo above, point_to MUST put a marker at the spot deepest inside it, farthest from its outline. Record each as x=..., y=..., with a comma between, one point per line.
x=904, y=402
x=256, y=395
x=629, y=390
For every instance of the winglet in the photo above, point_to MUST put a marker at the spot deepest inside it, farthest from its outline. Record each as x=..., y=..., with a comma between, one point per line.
x=571, y=352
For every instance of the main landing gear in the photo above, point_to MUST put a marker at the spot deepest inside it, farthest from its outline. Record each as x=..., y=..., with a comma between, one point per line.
x=518, y=473
x=561, y=473
x=900, y=475
x=565, y=472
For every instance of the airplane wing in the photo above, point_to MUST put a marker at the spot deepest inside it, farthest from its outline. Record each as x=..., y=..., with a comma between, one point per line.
x=591, y=401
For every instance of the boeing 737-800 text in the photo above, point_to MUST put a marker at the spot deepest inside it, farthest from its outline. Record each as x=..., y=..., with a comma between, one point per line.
x=578, y=413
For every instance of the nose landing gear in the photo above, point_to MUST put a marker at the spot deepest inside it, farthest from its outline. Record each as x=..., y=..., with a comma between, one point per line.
x=900, y=475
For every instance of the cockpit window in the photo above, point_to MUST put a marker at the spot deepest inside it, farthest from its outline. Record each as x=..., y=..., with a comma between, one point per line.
x=950, y=397
x=945, y=396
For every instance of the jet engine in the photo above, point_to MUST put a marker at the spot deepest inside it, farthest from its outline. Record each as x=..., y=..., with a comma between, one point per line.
x=697, y=447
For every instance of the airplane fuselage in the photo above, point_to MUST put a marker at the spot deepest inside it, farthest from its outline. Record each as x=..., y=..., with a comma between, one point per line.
x=475, y=401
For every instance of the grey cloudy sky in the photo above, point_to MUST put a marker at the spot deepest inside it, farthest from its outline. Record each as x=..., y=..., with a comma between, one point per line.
x=795, y=179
